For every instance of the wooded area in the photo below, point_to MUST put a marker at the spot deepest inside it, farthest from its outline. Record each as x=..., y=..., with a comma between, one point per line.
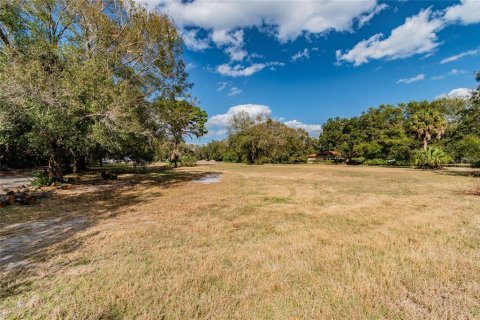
x=83, y=80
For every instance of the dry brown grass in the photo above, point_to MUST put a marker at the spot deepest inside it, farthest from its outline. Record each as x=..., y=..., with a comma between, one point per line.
x=267, y=242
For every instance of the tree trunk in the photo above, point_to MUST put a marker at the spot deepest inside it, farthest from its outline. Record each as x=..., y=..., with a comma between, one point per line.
x=55, y=164
x=425, y=143
x=174, y=155
x=80, y=164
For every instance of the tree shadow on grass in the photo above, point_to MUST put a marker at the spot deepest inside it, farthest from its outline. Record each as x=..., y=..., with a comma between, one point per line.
x=30, y=235
x=461, y=173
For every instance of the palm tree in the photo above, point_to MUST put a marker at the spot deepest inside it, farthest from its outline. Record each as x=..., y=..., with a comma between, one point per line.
x=427, y=124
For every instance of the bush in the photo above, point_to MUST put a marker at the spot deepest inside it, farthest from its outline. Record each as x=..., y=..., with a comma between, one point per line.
x=40, y=179
x=432, y=158
x=402, y=163
x=356, y=161
x=188, y=161
x=476, y=164
x=375, y=162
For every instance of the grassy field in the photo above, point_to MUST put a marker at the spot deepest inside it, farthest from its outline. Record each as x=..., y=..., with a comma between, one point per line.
x=266, y=242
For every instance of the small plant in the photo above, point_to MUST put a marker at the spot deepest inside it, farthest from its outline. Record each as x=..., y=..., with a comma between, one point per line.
x=188, y=161
x=41, y=179
x=432, y=158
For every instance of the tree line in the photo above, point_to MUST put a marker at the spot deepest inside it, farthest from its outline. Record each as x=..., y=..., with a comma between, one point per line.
x=83, y=80
x=259, y=140
x=425, y=133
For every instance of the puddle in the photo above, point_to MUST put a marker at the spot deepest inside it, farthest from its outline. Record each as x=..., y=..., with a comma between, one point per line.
x=208, y=179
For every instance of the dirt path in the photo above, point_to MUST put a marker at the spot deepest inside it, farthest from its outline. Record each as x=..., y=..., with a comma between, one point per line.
x=21, y=240
x=9, y=182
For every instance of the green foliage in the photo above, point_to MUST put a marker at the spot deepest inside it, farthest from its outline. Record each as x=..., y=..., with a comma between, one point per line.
x=378, y=133
x=432, y=158
x=179, y=119
x=376, y=162
x=469, y=147
x=266, y=141
x=214, y=150
x=426, y=121
x=40, y=179
x=188, y=160
x=388, y=132
x=77, y=78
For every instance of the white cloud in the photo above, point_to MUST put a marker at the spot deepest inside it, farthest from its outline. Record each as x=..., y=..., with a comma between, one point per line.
x=192, y=42
x=234, y=91
x=222, y=85
x=462, y=93
x=453, y=72
x=190, y=66
x=418, y=77
x=253, y=110
x=416, y=36
x=312, y=129
x=456, y=72
x=438, y=77
x=460, y=55
x=466, y=12
x=239, y=70
x=305, y=53
x=367, y=17
x=287, y=20
x=244, y=71
x=233, y=43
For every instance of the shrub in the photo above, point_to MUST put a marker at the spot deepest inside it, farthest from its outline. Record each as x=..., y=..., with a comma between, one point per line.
x=476, y=164
x=432, y=158
x=188, y=161
x=376, y=162
x=41, y=179
x=403, y=163
x=356, y=161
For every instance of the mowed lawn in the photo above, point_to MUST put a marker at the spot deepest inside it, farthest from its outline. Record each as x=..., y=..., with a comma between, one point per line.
x=266, y=242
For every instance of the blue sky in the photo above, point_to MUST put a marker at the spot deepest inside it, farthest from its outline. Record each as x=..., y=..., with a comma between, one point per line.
x=303, y=62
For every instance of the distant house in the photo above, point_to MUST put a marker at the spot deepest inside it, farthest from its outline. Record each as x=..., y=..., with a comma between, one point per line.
x=325, y=155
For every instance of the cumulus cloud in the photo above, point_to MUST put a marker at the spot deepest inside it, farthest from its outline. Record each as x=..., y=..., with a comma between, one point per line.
x=224, y=21
x=418, y=77
x=287, y=20
x=460, y=55
x=239, y=70
x=462, y=93
x=466, y=12
x=313, y=130
x=233, y=43
x=193, y=42
x=416, y=36
x=253, y=110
